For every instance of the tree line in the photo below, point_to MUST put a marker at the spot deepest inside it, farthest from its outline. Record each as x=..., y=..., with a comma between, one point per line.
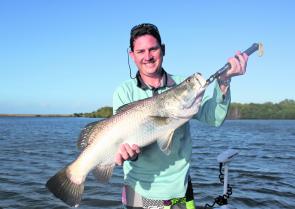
x=282, y=110
x=104, y=112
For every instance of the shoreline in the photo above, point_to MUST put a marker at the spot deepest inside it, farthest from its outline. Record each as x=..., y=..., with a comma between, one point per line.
x=36, y=115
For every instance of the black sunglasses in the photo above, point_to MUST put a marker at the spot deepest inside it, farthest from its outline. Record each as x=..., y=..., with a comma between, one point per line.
x=144, y=25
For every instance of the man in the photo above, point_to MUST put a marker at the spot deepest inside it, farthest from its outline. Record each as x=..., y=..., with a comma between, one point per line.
x=153, y=179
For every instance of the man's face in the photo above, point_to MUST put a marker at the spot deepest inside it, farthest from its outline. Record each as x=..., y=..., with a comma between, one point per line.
x=147, y=55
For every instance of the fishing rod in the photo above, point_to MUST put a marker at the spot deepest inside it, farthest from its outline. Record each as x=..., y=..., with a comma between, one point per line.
x=249, y=51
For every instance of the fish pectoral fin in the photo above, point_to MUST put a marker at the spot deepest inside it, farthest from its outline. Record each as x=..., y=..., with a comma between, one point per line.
x=161, y=120
x=165, y=143
x=103, y=173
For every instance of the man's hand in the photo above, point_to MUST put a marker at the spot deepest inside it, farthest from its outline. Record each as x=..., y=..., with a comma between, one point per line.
x=126, y=152
x=238, y=66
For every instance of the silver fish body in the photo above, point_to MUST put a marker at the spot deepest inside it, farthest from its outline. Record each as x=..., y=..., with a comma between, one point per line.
x=143, y=122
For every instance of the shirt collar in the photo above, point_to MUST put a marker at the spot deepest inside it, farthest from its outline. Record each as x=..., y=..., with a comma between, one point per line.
x=167, y=81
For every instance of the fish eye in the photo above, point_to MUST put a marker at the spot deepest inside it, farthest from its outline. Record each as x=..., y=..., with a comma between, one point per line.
x=188, y=80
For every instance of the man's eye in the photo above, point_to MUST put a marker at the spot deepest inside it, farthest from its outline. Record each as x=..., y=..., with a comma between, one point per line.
x=154, y=49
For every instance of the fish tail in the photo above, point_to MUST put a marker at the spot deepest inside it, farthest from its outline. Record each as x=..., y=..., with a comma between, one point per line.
x=63, y=188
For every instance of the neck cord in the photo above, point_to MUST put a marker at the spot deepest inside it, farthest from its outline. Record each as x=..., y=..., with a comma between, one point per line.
x=129, y=65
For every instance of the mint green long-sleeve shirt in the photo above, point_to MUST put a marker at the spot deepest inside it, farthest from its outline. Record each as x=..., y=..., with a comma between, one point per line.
x=154, y=174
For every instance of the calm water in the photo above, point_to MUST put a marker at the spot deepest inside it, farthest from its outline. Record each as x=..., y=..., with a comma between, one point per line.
x=262, y=175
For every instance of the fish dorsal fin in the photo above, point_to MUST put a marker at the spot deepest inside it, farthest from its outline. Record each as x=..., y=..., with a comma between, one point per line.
x=126, y=107
x=130, y=105
x=84, y=138
x=165, y=143
x=103, y=173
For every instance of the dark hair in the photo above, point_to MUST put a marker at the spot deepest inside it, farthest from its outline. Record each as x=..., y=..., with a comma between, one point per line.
x=144, y=29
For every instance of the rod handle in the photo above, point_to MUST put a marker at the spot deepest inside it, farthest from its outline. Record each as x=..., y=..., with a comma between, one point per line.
x=254, y=48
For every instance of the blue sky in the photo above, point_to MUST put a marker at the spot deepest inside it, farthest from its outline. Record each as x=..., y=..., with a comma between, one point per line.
x=67, y=56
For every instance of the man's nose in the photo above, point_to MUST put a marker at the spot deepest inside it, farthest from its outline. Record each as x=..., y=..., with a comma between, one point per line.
x=148, y=55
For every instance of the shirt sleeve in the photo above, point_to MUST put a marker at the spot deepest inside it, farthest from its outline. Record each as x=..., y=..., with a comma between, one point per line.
x=214, y=109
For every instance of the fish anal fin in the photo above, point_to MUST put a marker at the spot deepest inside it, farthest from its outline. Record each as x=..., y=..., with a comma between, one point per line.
x=165, y=143
x=103, y=173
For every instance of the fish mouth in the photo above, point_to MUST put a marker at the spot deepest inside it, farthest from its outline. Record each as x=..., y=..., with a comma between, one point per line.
x=197, y=98
x=199, y=92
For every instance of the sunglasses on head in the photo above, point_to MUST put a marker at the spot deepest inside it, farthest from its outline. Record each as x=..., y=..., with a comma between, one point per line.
x=144, y=25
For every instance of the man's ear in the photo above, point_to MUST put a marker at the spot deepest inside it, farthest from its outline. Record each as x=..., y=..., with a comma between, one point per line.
x=163, y=49
x=131, y=54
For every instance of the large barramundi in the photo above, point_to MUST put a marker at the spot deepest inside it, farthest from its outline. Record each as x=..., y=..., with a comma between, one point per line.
x=143, y=123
